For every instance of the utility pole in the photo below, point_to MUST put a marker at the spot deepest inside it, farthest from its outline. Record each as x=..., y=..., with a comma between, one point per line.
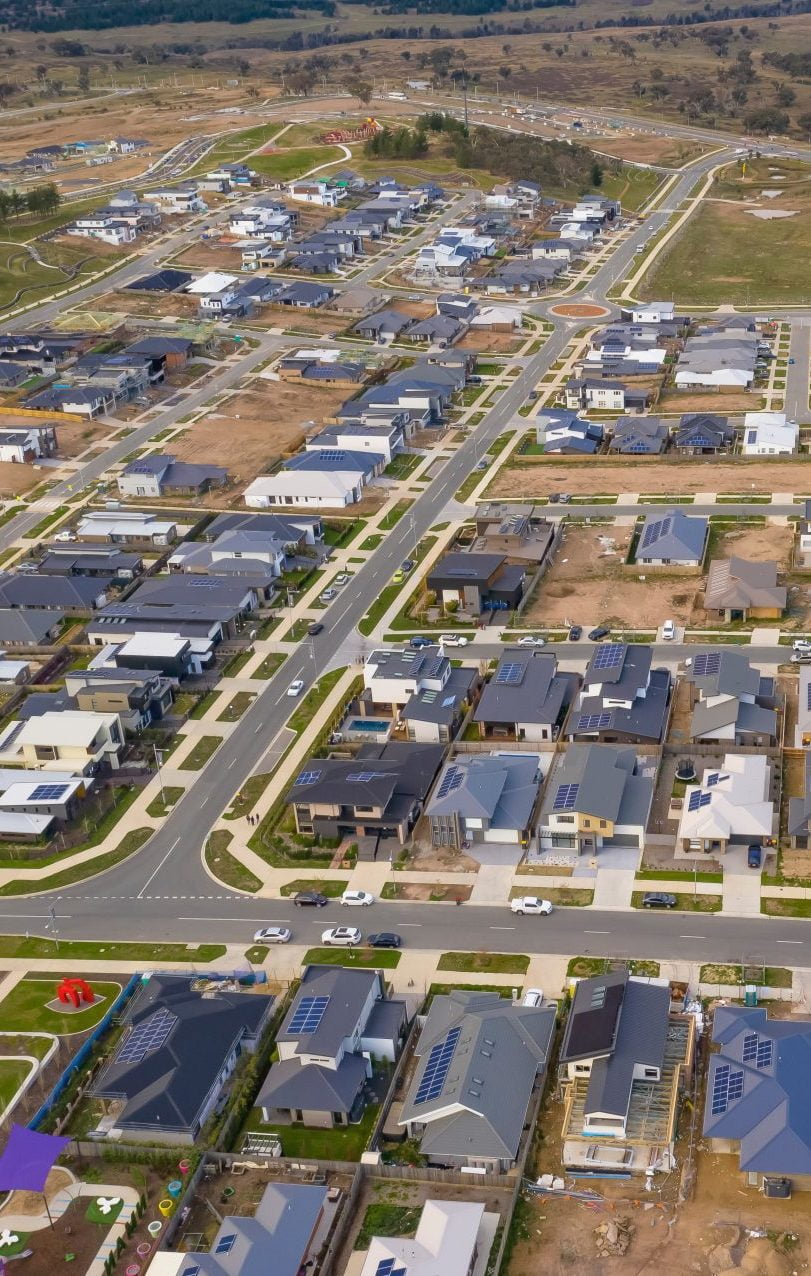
x=467, y=121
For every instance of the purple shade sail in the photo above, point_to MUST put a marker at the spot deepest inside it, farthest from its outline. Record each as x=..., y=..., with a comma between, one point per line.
x=27, y=1159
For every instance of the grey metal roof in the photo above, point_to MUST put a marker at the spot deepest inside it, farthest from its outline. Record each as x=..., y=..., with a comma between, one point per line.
x=738, y=583
x=28, y=589
x=608, y=787
x=799, y=808
x=500, y=789
x=390, y=321
x=646, y=715
x=640, y=1041
x=348, y=991
x=535, y=693
x=443, y=706
x=313, y=1087
x=771, y=1117
x=734, y=675
x=639, y=434
x=672, y=535
x=276, y=1238
x=497, y=1040
x=466, y=568
x=27, y=625
x=378, y=775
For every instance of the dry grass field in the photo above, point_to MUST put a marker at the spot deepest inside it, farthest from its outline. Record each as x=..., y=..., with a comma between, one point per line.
x=588, y=477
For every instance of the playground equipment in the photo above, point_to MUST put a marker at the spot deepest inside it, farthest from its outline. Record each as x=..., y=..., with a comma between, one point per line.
x=74, y=992
x=166, y=1207
x=367, y=129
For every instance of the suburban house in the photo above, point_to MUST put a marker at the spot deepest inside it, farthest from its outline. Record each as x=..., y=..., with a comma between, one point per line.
x=703, y=434
x=741, y=590
x=450, y=1237
x=422, y=689
x=320, y=490
x=653, y=312
x=310, y=191
x=27, y=444
x=383, y=326
x=526, y=698
x=624, y=1060
x=622, y=700
x=72, y=594
x=139, y=697
x=672, y=539
x=171, y=654
x=123, y=527
x=109, y=230
x=719, y=360
x=603, y=395
x=35, y=805
x=518, y=531
x=769, y=434
x=337, y=461
x=183, y=198
x=83, y=742
x=803, y=550
x=798, y=822
x=477, y=582
x=339, y=1021
x=295, y=531
x=212, y=609
x=160, y=475
x=458, y=1105
x=596, y=797
x=731, y=702
x=562, y=431
x=24, y=627
x=253, y=554
x=379, y=794
x=640, y=435
x=731, y=806
x=179, y=1048
x=483, y=798
x=756, y=1102
x=383, y=440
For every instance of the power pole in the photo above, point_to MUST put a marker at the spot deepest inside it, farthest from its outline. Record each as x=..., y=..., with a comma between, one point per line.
x=467, y=121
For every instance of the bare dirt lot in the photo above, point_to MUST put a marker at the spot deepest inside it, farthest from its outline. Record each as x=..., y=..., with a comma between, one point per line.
x=150, y=304
x=499, y=342
x=16, y=479
x=308, y=321
x=209, y=254
x=587, y=476
x=587, y=584
x=647, y=150
x=251, y=431
x=712, y=401
x=757, y=544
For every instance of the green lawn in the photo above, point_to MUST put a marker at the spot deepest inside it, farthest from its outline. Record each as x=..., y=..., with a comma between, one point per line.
x=403, y=464
x=393, y=517
x=130, y=842
x=382, y=1219
x=24, y=1008
x=585, y=967
x=270, y=664
x=225, y=866
x=94, y=1214
x=92, y=950
x=371, y=542
x=204, y=749
x=248, y=796
x=313, y=700
x=236, y=706
x=164, y=802
x=345, y=1143
x=256, y=954
x=19, y=270
x=485, y=963
x=366, y=958
x=786, y=907
x=729, y=973
x=16, y=1043
x=332, y=889
x=562, y=896
x=284, y=165
x=12, y=1074
x=686, y=903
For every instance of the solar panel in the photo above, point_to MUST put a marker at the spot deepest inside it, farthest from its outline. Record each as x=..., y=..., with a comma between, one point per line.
x=436, y=1069
x=565, y=797
x=765, y=1054
x=593, y=721
x=609, y=656
x=750, y=1045
x=363, y=777
x=727, y=1088
x=808, y=696
x=48, y=792
x=654, y=531
x=698, y=799
x=225, y=1244
x=386, y=1268
x=191, y=1271
x=308, y=1014
x=448, y=701
x=308, y=777
x=451, y=781
x=509, y=674
x=706, y=662
x=147, y=1037
x=715, y=778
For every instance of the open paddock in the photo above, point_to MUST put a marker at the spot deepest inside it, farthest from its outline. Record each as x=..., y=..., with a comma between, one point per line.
x=655, y=476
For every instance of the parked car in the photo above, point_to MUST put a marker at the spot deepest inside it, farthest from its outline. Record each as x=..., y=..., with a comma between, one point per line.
x=668, y=631
x=453, y=640
x=532, y=997
x=398, y=577
x=530, y=904
x=419, y=641
x=801, y=644
x=575, y=633
x=754, y=856
x=343, y=578
x=554, y=497
x=385, y=939
x=66, y=535
x=658, y=899
x=529, y=640
x=341, y=936
x=296, y=687
x=272, y=935
x=801, y=657
x=327, y=596
x=595, y=635
x=357, y=898
x=565, y=498
x=482, y=465
x=406, y=565
x=309, y=899
x=315, y=629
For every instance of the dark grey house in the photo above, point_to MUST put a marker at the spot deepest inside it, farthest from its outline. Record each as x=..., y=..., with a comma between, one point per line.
x=526, y=698
x=154, y=476
x=382, y=326
x=732, y=702
x=623, y=700
x=485, y=798
x=24, y=626
x=672, y=539
x=284, y=1236
x=477, y=582
x=703, y=434
x=641, y=435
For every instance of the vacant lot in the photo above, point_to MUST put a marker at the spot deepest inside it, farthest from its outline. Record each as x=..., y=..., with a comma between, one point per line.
x=251, y=431
x=284, y=165
x=771, y=543
x=668, y=151
x=16, y=479
x=585, y=477
x=209, y=254
x=152, y=305
x=587, y=583
x=481, y=339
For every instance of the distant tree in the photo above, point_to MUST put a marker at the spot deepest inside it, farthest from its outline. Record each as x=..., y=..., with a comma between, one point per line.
x=767, y=119
x=785, y=95
x=362, y=90
x=84, y=79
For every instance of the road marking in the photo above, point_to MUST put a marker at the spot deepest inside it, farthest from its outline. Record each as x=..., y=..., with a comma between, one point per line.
x=416, y=925
x=596, y=932
x=503, y=928
x=158, y=869
x=789, y=941
x=692, y=936
x=214, y=919
x=233, y=762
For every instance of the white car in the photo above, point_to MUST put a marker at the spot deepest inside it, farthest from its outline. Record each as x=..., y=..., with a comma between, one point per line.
x=296, y=687
x=529, y=641
x=801, y=644
x=532, y=997
x=272, y=935
x=65, y=536
x=357, y=898
x=668, y=631
x=530, y=904
x=453, y=640
x=341, y=936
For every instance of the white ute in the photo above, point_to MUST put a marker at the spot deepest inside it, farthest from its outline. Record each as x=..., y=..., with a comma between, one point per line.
x=530, y=904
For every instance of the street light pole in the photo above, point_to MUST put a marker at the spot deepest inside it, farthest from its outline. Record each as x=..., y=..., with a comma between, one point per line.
x=158, y=761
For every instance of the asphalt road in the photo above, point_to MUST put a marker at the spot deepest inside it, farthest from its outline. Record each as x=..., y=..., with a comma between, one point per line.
x=797, y=373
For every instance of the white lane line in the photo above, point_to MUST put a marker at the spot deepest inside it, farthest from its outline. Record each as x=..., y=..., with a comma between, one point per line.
x=215, y=919
x=596, y=932
x=413, y=925
x=692, y=936
x=503, y=928
x=38, y=916
x=233, y=762
x=789, y=941
x=158, y=869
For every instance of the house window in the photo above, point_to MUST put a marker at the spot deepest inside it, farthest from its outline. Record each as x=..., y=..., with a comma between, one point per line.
x=566, y=819
x=603, y=824
x=652, y=1072
x=563, y=841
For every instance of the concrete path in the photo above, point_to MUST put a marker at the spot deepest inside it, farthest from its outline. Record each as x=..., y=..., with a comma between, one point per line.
x=741, y=885
x=493, y=883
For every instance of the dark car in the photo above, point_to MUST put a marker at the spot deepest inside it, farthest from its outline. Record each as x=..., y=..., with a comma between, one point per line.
x=406, y=564
x=575, y=633
x=600, y=632
x=754, y=856
x=554, y=497
x=658, y=899
x=385, y=939
x=309, y=899
x=312, y=630
x=419, y=641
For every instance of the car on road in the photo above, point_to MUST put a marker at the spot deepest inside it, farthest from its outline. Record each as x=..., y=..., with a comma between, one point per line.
x=754, y=856
x=406, y=565
x=327, y=595
x=341, y=936
x=314, y=630
x=419, y=641
x=565, y=498
x=668, y=631
x=529, y=640
x=554, y=497
x=575, y=633
x=272, y=935
x=310, y=899
x=296, y=687
x=801, y=644
x=482, y=465
x=530, y=904
x=398, y=577
x=453, y=640
x=658, y=899
x=385, y=939
x=596, y=635
x=791, y=361
x=357, y=899
x=801, y=657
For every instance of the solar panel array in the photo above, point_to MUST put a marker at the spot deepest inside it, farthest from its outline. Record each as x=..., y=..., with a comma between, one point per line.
x=509, y=674
x=436, y=1069
x=808, y=696
x=609, y=656
x=653, y=531
x=308, y=777
x=308, y=1014
x=451, y=781
x=386, y=1268
x=48, y=792
x=714, y=779
x=759, y=1050
x=593, y=721
x=706, y=662
x=191, y=1271
x=698, y=799
x=364, y=777
x=565, y=797
x=765, y=1054
x=147, y=1037
x=750, y=1043
x=726, y=1088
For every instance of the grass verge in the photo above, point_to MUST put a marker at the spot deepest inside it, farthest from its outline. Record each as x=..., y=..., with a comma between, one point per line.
x=364, y=958
x=225, y=866
x=204, y=749
x=485, y=963
x=685, y=903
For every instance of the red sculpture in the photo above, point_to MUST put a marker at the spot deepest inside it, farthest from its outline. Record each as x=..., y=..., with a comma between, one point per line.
x=75, y=991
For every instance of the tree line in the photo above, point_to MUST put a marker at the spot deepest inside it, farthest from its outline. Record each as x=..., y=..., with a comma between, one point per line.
x=41, y=201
